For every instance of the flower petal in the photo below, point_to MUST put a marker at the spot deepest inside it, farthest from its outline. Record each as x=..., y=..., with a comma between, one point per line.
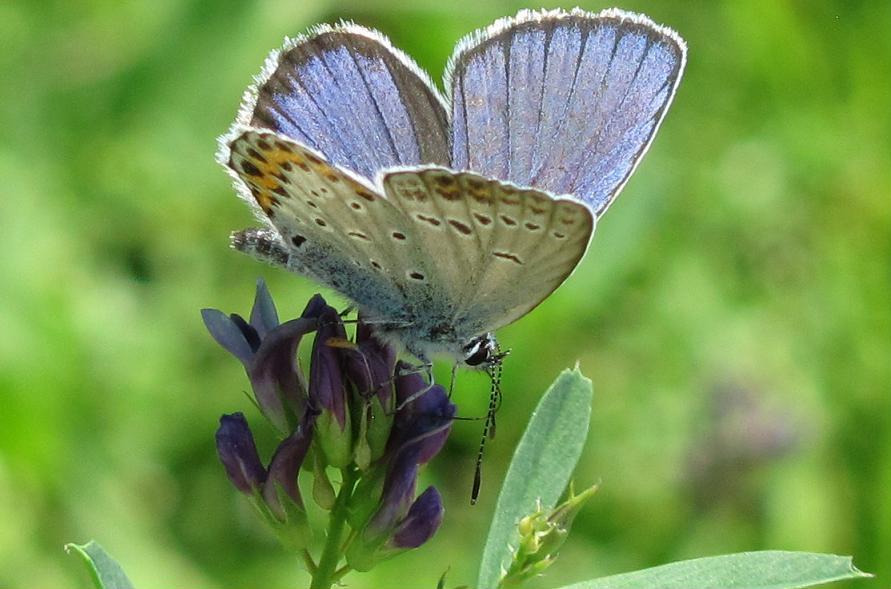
x=264, y=317
x=399, y=490
x=315, y=307
x=371, y=365
x=426, y=421
x=229, y=334
x=278, y=384
x=285, y=466
x=326, y=381
x=423, y=519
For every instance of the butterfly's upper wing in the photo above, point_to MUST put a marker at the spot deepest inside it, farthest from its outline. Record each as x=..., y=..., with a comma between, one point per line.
x=564, y=102
x=346, y=92
x=499, y=249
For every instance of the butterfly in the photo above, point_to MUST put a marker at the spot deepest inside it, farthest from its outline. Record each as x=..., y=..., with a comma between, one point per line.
x=444, y=218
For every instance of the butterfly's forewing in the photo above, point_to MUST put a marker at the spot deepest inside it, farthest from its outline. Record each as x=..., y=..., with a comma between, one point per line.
x=499, y=250
x=331, y=226
x=564, y=102
x=348, y=94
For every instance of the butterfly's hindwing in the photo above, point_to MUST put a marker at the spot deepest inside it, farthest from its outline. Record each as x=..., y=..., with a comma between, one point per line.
x=333, y=225
x=536, y=243
x=434, y=200
x=499, y=249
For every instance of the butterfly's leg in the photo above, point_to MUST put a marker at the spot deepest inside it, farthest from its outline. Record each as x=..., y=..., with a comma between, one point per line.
x=387, y=322
x=414, y=396
x=452, y=379
x=426, y=367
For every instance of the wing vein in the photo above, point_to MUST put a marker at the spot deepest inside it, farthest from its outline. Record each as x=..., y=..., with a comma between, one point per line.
x=610, y=121
x=377, y=108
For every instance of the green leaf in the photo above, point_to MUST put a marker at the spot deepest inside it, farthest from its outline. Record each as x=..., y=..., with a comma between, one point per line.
x=105, y=571
x=771, y=569
x=541, y=467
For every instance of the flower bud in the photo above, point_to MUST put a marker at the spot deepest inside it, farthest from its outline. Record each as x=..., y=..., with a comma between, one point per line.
x=422, y=521
x=400, y=523
x=328, y=391
x=419, y=524
x=274, y=491
x=238, y=453
x=542, y=533
x=427, y=420
x=285, y=466
x=370, y=367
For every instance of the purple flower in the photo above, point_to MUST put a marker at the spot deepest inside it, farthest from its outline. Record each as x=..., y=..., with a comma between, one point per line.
x=346, y=413
x=370, y=368
x=326, y=378
x=328, y=389
x=426, y=421
x=238, y=453
x=268, y=352
x=285, y=466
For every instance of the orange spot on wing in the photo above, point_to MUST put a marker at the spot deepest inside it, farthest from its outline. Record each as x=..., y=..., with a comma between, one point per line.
x=338, y=342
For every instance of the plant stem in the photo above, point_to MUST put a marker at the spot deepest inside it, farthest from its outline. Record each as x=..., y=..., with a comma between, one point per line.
x=308, y=561
x=325, y=575
x=339, y=573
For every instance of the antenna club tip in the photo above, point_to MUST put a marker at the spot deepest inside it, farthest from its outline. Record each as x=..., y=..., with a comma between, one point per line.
x=477, y=481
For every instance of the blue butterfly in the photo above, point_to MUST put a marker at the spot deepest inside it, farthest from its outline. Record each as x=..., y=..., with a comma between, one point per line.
x=444, y=218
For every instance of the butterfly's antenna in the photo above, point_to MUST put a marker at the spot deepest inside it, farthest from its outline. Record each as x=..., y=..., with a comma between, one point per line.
x=494, y=370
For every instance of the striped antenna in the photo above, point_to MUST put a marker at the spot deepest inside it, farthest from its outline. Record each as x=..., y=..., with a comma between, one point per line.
x=494, y=371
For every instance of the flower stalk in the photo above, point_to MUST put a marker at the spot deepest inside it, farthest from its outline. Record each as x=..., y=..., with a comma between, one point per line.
x=326, y=573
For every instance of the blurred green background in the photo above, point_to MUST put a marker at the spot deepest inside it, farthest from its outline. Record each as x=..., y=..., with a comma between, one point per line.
x=733, y=310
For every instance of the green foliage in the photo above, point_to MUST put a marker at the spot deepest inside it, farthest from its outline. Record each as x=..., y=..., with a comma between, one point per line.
x=104, y=570
x=748, y=570
x=539, y=472
x=521, y=543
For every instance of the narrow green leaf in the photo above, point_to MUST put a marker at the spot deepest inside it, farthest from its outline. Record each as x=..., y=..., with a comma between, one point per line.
x=771, y=569
x=541, y=467
x=105, y=571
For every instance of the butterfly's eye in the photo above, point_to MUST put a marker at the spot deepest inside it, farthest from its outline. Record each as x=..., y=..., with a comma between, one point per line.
x=480, y=350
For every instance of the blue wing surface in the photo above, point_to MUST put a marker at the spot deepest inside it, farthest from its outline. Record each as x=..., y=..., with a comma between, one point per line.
x=347, y=93
x=566, y=102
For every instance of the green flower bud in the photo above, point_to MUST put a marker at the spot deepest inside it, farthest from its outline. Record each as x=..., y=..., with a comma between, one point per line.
x=542, y=533
x=379, y=424
x=334, y=439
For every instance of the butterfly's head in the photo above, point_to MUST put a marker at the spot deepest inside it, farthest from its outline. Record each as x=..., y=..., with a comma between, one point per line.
x=483, y=351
